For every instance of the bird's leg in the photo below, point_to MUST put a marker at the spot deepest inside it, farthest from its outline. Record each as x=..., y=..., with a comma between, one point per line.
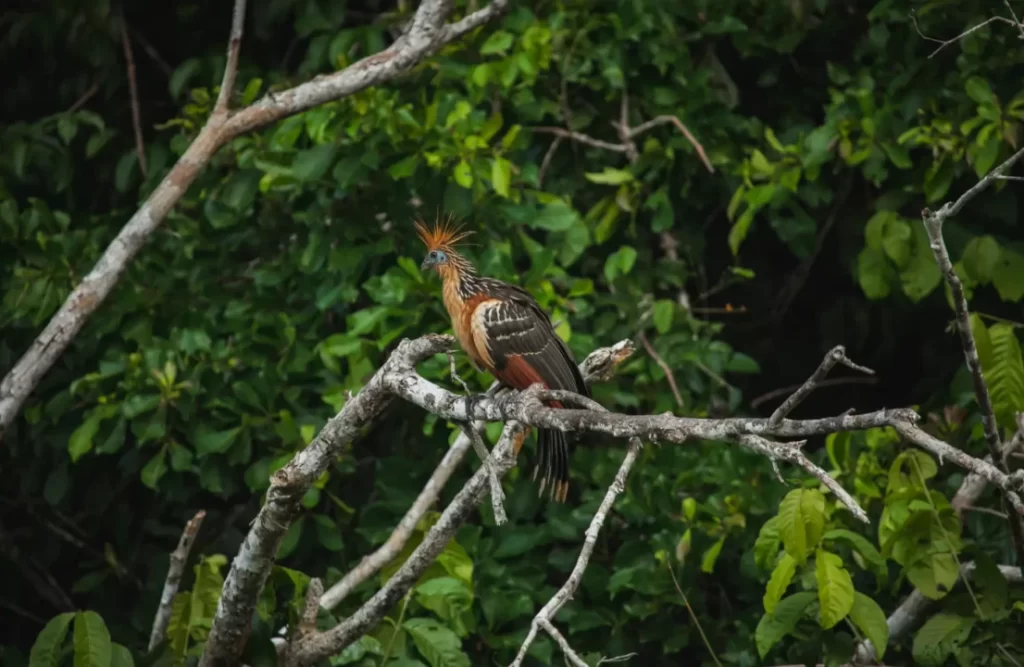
x=455, y=375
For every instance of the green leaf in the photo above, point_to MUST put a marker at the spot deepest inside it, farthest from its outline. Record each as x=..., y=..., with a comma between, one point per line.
x=92, y=641
x=921, y=275
x=46, y=649
x=981, y=256
x=207, y=441
x=556, y=217
x=862, y=546
x=835, y=588
x=80, y=442
x=501, y=176
x=781, y=577
x=870, y=619
x=498, y=42
x=177, y=625
x=707, y=562
x=766, y=546
x=739, y=230
x=1008, y=276
x=440, y=646
x=609, y=176
x=992, y=586
x=463, y=174
x=664, y=310
x=987, y=154
x=357, y=650
x=1005, y=373
x=120, y=656
x=897, y=241
x=155, y=468
x=801, y=522
x=313, y=163
x=774, y=627
x=979, y=90
x=940, y=636
x=619, y=263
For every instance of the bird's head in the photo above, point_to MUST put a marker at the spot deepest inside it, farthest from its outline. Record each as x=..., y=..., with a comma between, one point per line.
x=440, y=241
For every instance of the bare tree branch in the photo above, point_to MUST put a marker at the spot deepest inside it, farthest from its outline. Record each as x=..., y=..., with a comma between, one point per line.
x=427, y=33
x=179, y=557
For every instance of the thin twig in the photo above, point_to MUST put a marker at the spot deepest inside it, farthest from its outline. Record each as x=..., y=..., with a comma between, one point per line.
x=86, y=96
x=984, y=510
x=140, y=148
x=944, y=43
x=579, y=137
x=669, y=375
x=227, y=85
x=487, y=461
x=558, y=600
x=836, y=356
x=1013, y=15
x=693, y=616
x=546, y=162
x=153, y=54
x=179, y=557
x=827, y=382
x=661, y=120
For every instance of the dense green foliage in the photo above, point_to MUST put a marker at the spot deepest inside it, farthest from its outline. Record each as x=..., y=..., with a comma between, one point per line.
x=290, y=270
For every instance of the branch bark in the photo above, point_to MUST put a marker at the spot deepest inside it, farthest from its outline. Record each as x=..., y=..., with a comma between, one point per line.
x=427, y=33
x=179, y=557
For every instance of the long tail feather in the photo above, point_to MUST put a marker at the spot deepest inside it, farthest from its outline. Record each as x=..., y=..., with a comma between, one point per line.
x=553, y=463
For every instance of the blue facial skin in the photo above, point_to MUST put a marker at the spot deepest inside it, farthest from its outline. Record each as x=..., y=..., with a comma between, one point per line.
x=433, y=258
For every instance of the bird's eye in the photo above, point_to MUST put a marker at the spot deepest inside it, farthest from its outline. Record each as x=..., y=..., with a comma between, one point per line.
x=433, y=254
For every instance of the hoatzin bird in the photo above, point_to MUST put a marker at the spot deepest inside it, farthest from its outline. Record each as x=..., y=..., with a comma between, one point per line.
x=504, y=331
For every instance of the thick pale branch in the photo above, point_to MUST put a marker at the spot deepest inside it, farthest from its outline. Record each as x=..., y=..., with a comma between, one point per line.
x=179, y=557
x=426, y=35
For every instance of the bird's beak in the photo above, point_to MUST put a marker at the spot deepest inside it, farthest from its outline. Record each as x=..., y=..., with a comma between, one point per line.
x=426, y=264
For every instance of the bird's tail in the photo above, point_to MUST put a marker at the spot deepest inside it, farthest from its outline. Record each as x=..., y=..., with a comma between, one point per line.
x=553, y=463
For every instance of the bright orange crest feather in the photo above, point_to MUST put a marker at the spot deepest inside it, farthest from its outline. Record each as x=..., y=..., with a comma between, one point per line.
x=442, y=235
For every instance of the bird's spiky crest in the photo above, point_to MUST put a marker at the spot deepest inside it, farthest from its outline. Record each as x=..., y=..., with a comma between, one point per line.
x=443, y=235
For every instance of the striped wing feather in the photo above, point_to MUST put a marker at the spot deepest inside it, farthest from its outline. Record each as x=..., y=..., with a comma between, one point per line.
x=524, y=349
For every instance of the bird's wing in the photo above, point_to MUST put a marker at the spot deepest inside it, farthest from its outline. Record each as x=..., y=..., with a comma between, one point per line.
x=522, y=346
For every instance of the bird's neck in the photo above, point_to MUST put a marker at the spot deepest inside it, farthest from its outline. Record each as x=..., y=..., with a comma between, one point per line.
x=458, y=277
